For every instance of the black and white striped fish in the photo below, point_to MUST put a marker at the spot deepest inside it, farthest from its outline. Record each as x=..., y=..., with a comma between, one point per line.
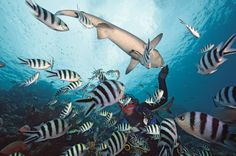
x=207, y=128
x=155, y=99
x=72, y=86
x=66, y=112
x=49, y=130
x=145, y=60
x=105, y=94
x=76, y=14
x=37, y=63
x=85, y=127
x=98, y=74
x=112, y=122
x=101, y=147
x=123, y=127
x=204, y=153
x=33, y=79
x=211, y=60
x=226, y=97
x=168, y=137
x=116, y=142
x=190, y=28
x=207, y=48
x=47, y=17
x=65, y=75
x=17, y=154
x=153, y=129
x=108, y=117
x=76, y=150
x=104, y=113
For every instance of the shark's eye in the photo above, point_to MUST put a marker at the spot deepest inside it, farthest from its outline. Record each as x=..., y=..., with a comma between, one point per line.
x=181, y=118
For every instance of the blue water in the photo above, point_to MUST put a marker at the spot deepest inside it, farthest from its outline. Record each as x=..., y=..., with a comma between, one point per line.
x=21, y=35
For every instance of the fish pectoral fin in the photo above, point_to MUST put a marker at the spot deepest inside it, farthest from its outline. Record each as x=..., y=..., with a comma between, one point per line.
x=103, y=30
x=133, y=63
x=156, y=40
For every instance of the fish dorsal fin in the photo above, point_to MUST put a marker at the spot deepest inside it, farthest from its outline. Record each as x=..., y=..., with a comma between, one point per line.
x=133, y=63
x=156, y=40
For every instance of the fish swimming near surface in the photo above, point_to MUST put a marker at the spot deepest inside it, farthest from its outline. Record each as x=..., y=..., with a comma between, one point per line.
x=76, y=150
x=129, y=43
x=33, y=79
x=190, y=29
x=49, y=130
x=207, y=128
x=72, y=86
x=65, y=75
x=105, y=94
x=211, y=60
x=226, y=97
x=207, y=48
x=116, y=142
x=38, y=64
x=168, y=137
x=47, y=17
x=66, y=112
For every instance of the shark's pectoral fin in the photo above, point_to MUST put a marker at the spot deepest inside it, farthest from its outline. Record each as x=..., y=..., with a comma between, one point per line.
x=156, y=40
x=103, y=30
x=133, y=63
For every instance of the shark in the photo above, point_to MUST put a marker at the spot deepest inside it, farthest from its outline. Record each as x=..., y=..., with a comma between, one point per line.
x=129, y=43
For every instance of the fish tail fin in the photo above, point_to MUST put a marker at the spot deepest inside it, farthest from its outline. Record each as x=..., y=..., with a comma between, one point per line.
x=23, y=61
x=70, y=13
x=30, y=3
x=53, y=74
x=52, y=63
x=181, y=21
x=103, y=30
x=33, y=136
x=227, y=50
x=143, y=130
x=135, y=129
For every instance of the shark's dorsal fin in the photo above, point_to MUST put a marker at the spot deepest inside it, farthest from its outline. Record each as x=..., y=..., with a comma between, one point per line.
x=156, y=40
x=133, y=63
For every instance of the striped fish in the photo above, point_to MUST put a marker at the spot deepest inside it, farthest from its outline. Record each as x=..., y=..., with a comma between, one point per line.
x=66, y=112
x=145, y=59
x=211, y=60
x=98, y=74
x=204, y=153
x=123, y=127
x=71, y=86
x=226, y=97
x=49, y=130
x=168, y=137
x=104, y=113
x=65, y=75
x=17, y=154
x=190, y=28
x=125, y=101
x=33, y=79
x=108, y=117
x=116, y=142
x=152, y=129
x=105, y=94
x=38, y=64
x=112, y=122
x=85, y=127
x=207, y=128
x=76, y=150
x=155, y=99
x=47, y=17
x=102, y=147
x=76, y=14
x=207, y=48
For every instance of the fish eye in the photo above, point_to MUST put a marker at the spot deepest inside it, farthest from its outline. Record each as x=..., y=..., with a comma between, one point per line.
x=181, y=118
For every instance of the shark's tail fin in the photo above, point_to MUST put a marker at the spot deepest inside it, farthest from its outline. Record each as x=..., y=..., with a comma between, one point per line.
x=227, y=46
